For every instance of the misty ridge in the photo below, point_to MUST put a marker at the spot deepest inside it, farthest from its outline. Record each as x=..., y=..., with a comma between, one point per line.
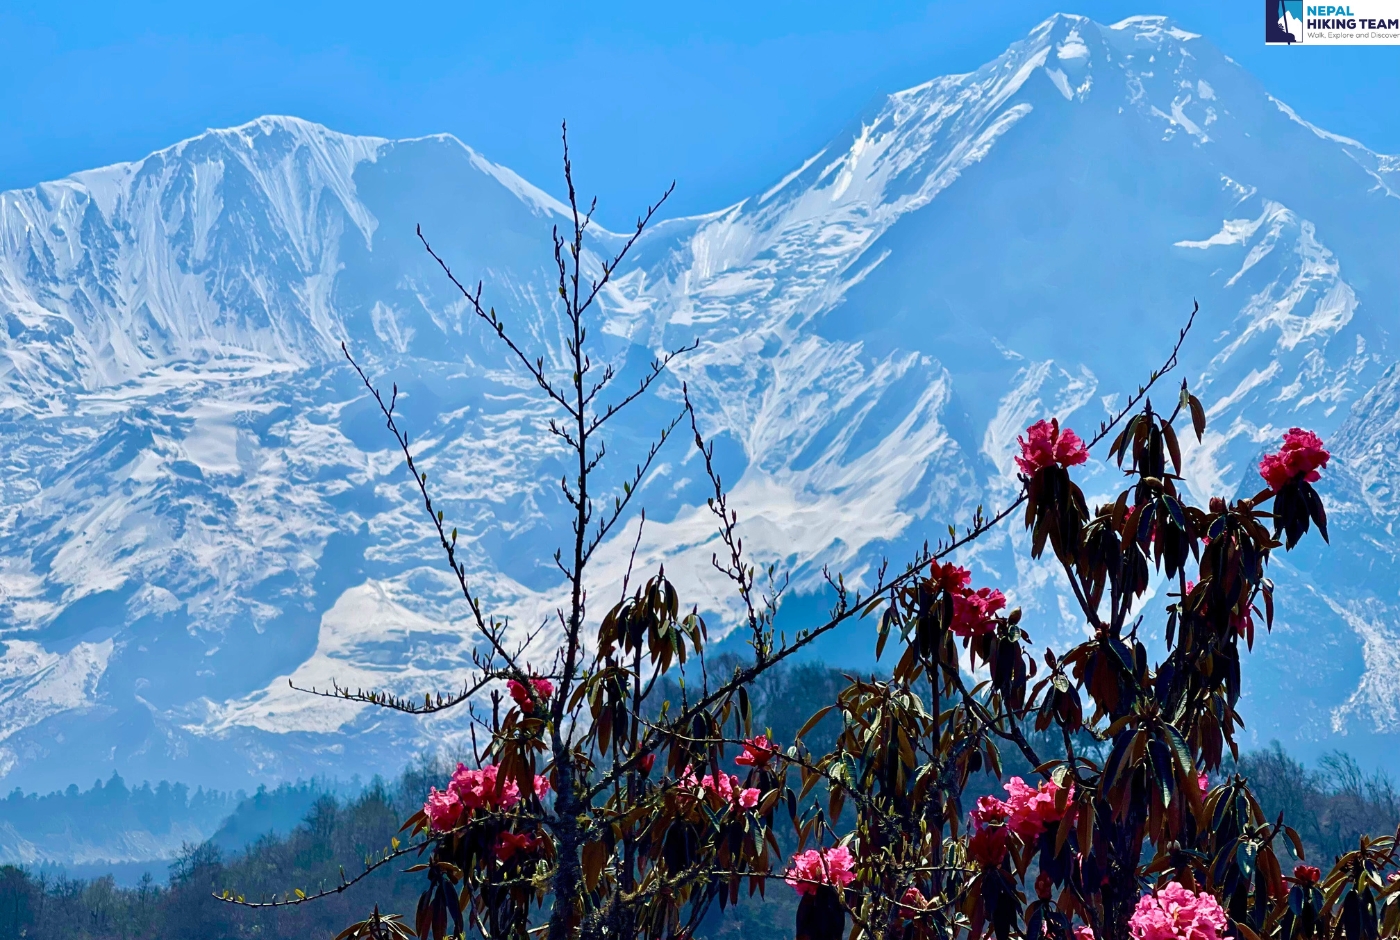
x=263, y=846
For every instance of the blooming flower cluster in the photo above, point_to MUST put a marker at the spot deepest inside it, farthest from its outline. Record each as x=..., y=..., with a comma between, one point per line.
x=1046, y=445
x=988, y=843
x=758, y=751
x=470, y=790
x=1307, y=874
x=1027, y=811
x=543, y=690
x=1175, y=912
x=1032, y=810
x=911, y=904
x=512, y=843
x=835, y=867
x=724, y=786
x=1301, y=456
x=973, y=611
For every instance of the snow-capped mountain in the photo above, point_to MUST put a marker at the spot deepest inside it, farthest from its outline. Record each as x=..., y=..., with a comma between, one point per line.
x=201, y=502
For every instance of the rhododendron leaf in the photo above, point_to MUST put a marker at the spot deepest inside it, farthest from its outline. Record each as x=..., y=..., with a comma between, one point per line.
x=1173, y=448
x=813, y=721
x=593, y=856
x=1245, y=931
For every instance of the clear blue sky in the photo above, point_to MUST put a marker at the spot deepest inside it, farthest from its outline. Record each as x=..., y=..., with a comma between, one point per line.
x=722, y=96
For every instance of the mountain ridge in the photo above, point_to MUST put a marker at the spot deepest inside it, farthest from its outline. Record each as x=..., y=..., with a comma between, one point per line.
x=187, y=534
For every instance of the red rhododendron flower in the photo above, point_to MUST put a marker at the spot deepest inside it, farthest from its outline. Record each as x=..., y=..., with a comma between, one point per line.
x=911, y=903
x=543, y=690
x=1175, y=912
x=950, y=577
x=815, y=867
x=973, y=611
x=757, y=752
x=987, y=847
x=512, y=842
x=1301, y=456
x=646, y=762
x=1046, y=445
x=1307, y=874
x=988, y=843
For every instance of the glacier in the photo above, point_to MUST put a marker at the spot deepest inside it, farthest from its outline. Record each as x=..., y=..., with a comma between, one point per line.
x=200, y=502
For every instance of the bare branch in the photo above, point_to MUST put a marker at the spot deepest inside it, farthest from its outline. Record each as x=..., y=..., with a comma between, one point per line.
x=491, y=631
x=432, y=701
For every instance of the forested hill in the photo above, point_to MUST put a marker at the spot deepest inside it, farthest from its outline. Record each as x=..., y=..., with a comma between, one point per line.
x=1331, y=804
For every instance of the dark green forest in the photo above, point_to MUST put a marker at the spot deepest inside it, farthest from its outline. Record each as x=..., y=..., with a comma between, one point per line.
x=1331, y=805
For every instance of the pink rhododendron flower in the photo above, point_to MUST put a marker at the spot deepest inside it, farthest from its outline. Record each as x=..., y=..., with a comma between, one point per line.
x=757, y=752
x=1175, y=912
x=1301, y=456
x=480, y=788
x=1046, y=445
x=443, y=808
x=815, y=867
x=724, y=786
x=485, y=789
x=1083, y=932
x=1203, y=781
x=1033, y=810
x=975, y=611
x=990, y=810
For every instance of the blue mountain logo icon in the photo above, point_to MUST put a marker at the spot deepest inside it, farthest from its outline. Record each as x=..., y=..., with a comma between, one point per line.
x=1283, y=22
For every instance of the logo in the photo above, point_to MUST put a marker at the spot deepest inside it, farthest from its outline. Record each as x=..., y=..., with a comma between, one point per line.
x=1355, y=23
x=1283, y=22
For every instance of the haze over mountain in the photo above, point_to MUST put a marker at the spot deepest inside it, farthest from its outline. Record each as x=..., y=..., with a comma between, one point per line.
x=200, y=502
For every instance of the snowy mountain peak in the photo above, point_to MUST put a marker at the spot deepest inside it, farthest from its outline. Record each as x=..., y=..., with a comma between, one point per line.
x=201, y=502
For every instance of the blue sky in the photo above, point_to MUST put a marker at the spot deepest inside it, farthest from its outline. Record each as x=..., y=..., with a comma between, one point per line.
x=722, y=96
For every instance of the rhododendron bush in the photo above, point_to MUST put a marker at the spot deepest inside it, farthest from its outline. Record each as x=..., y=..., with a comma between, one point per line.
x=621, y=789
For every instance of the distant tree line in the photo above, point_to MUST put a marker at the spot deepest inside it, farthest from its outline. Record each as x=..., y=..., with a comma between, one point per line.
x=106, y=811
x=1330, y=805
